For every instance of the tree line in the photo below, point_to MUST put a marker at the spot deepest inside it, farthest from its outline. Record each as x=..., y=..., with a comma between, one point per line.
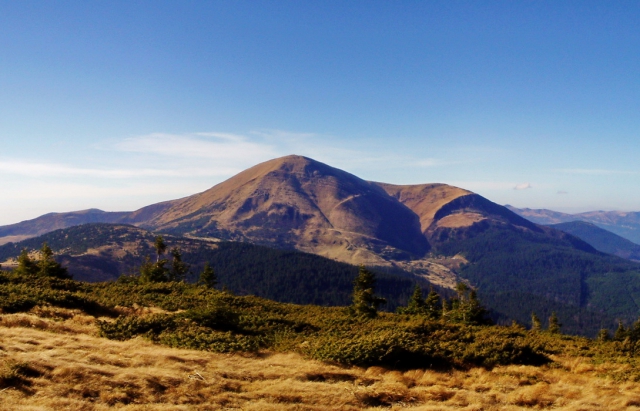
x=464, y=308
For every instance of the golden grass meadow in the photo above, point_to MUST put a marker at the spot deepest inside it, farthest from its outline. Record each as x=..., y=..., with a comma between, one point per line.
x=53, y=359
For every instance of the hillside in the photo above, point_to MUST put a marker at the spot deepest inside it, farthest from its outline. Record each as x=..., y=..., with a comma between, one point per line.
x=601, y=239
x=104, y=252
x=625, y=224
x=177, y=346
x=52, y=355
x=296, y=202
x=54, y=221
x=438, y=233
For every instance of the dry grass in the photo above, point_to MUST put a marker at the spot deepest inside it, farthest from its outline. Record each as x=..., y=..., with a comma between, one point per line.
x=51, y=359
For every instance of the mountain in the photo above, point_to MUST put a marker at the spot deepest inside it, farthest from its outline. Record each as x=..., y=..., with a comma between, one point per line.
x=55, y=221
x=439, y=233
x=623, y=223
x=296, y=202
x=601, y=239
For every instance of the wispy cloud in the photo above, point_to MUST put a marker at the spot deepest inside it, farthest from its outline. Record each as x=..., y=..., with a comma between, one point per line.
x=592, y=171
x=213, y=146
x=35, y=169
x=523, y=186
x=562, y=192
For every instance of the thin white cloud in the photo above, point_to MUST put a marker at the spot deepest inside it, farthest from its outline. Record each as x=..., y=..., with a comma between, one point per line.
x=213, y=146
x=73, y=191
x=523, y=186
x=592, y=171
x=562, y=192
x=35, y=169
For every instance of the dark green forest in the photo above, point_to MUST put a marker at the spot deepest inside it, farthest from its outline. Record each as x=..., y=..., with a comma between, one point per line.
x=242, y=268
x=517, y=272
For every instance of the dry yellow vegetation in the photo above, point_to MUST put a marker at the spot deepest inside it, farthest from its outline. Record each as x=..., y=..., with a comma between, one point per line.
x=51, y=359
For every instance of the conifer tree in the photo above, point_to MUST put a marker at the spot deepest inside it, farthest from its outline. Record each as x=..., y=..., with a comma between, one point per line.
x=633, y=332
x=416, y=304
x=465, y=308
x=603, y=335
x=153, y=272
x=365, y=302
x=621, y=332
x=554, y=324
x=26, y=266
x=160, y=247
x=179, y=268
x=536, y=324
x=48, y=267
x=433, y=307
x=208, y=277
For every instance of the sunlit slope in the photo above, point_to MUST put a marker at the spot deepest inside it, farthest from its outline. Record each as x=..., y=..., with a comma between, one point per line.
x=296, y=202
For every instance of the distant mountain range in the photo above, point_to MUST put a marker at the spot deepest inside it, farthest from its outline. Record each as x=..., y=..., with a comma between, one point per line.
x=601, y=239
x=622, y=223
x=439, y=233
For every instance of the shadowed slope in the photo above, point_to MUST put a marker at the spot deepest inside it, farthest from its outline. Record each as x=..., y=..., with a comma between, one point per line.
x=55, y=221
x=300, y=203
x=601, y=239
x=622, y=223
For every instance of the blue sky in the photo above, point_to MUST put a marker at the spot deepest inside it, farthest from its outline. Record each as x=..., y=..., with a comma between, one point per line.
x=120, y=104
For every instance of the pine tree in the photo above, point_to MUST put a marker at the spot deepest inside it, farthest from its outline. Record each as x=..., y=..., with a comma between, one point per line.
x=465, y=308
x=48, y=267
x=633, y=332
x=365, y=302
x=603, y=335
x=433, y=307
x=536, y=324
x=476, y=313
x=554, y=324
x=153, y=272
x=208, y=277
x=179, y=269
x=416, y=304
x=621, y=332
x=26, y=266
x=160, y=247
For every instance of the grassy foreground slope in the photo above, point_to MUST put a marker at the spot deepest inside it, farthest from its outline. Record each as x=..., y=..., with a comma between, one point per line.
x=201, y=318
x=255, y=354
x=58, y=362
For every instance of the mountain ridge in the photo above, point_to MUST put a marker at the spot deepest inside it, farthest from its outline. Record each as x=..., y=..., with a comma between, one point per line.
x=626, y=224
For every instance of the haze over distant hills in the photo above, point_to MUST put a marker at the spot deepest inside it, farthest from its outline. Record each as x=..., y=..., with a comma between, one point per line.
x=601, y=239
x=623, y=223
x=437, y=232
